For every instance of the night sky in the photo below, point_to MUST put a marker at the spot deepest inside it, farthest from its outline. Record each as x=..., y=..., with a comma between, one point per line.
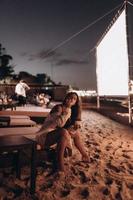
x=33, y=32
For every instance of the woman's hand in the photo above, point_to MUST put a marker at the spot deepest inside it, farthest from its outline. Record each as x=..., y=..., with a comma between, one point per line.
x=77, y=125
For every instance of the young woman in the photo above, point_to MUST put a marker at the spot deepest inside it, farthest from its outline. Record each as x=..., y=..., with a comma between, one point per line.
x=62, y=125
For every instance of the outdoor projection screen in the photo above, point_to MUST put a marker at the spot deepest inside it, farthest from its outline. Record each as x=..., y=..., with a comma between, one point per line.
x=112, y=60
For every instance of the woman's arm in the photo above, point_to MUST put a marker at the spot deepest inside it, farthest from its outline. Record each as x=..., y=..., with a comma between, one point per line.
x=53, y=118
x=65, y=115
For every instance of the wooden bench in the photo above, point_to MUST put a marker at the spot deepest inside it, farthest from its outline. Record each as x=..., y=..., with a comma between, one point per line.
x=4, y=121
x=16, y=120
x=29, y=132
x=17, y=144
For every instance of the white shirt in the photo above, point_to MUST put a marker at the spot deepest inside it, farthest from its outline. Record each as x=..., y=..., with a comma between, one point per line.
x=20, y=89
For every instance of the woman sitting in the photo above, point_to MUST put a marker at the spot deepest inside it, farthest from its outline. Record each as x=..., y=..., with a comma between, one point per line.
x=62, y=125
x=42, y=100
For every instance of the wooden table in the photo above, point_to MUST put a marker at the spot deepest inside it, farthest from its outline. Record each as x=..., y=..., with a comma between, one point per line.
x=17, y=144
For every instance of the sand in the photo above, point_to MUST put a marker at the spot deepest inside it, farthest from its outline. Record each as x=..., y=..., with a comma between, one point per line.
x=108, y=175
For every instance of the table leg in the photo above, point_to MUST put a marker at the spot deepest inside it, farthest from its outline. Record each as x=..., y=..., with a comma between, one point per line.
x=17, y=164
x=33, y=169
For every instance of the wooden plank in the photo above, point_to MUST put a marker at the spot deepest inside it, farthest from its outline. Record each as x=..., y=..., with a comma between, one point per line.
x=28, y=113
x=25, y=131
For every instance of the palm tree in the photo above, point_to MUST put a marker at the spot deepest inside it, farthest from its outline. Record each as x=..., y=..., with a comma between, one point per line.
x=6, y=70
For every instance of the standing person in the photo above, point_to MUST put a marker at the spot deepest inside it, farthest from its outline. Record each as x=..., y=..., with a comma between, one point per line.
x=20, y=91
x=61, y=126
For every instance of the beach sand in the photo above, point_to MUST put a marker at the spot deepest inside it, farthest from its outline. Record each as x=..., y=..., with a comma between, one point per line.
x=108, y=175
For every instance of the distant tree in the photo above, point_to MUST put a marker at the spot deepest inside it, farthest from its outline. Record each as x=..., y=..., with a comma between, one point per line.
x=41, y=78
x=50, y=81
x=5, y=59
x=26, y=76
x=23, y=74
x=44, y=79
x=6, y=70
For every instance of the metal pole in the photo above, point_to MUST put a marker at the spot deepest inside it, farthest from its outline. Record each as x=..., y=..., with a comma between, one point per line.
x=129, y=109
x=129, y=98
x=98, y=101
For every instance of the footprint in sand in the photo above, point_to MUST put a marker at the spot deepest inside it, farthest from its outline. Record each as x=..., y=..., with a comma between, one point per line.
x=65, y=192
x=118, y=196
x=105, y=191
x=85, y=193
x=130, y=186
x=108, y=181
x=126, y=156
x=94, y=180
x=108, y=147
x=83, y=177
x=113, y=167
x=74, y=171
x=96, y=156
x=119, y=184
x=47, y=185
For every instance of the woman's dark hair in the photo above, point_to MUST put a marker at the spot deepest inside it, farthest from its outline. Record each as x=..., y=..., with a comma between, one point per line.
x=76, y=109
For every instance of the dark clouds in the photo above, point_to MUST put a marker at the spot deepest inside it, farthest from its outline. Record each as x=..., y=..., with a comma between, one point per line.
x=44, y=54
x=55, y=56
x=70, y=62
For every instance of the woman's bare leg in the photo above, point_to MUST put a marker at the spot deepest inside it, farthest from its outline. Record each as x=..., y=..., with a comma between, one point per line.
x=79, y=145
x=64, y=135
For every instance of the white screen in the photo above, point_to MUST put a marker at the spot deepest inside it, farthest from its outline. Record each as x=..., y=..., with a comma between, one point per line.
x=112, y=60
